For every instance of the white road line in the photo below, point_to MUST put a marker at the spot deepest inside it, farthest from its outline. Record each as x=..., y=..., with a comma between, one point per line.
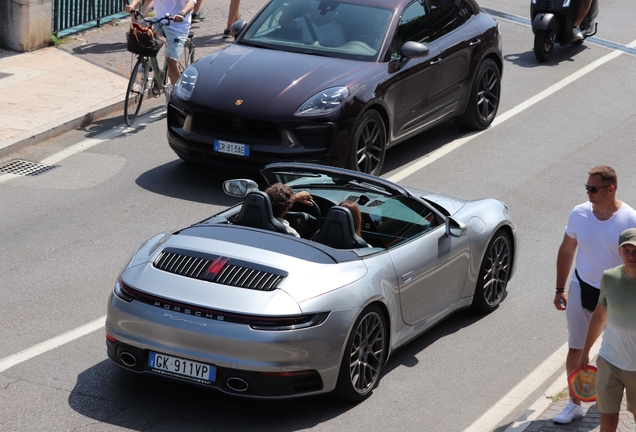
x=50, y=344
x=507, y=404
x=453, y=145
x=91, y=142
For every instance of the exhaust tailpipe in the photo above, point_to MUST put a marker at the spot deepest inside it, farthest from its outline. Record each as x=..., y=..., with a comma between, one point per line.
x=236, y=384
x=128, y=359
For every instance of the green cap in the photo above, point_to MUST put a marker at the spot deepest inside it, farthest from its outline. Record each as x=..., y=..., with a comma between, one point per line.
x=627, y=237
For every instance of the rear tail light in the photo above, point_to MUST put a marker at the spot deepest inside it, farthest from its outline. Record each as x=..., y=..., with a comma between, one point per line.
x=122, y=292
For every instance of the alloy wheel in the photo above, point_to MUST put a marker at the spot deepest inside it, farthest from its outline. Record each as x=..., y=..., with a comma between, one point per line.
x=367, y=353
x=496, y=271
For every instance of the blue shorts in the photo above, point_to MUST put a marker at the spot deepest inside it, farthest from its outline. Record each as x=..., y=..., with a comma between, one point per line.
x=175, y=41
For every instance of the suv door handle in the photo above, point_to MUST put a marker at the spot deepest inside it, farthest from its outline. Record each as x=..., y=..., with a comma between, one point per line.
x=437, y=60
x=475, y=42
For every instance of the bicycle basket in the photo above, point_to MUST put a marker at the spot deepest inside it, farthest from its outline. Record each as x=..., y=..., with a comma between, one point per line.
x=143, y=41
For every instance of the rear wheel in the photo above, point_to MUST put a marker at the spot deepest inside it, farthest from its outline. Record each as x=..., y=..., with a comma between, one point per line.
x=368, y=147
x=135, y=91
x=494, y=273
x=363, y=357
x=544, y=44
x=484, y=97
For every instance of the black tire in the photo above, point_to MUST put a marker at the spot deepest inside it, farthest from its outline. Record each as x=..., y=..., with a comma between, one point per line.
x=136, y=90
x=368, y=146
x=484, y=97
x=494, y=273
x=543, y=44
x=364, y=356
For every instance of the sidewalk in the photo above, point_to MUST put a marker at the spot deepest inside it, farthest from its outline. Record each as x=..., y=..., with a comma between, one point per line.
x=53, y=90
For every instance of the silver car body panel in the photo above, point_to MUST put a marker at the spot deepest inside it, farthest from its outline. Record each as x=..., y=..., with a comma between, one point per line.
x=416, y=284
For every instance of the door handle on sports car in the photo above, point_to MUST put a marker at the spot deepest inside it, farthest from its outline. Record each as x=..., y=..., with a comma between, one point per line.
x=407, y=277
x=437, y=60
x=475, y=42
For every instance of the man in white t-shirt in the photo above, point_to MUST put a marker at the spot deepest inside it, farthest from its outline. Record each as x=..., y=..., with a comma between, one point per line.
x=590, y=235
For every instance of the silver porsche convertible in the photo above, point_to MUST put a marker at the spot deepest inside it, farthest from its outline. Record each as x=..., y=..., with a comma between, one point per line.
x=237, y=304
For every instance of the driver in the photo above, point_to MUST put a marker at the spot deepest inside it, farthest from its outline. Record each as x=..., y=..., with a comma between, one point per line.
x=317, y=25
x=283, y=198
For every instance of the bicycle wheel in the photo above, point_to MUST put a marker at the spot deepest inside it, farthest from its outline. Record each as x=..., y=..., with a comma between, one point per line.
x=136, y=90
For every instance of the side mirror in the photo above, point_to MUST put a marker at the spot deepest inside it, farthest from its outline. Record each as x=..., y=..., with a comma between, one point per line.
x=237, y=27
x=411, y=50
x=455, y=228
x=239, y=187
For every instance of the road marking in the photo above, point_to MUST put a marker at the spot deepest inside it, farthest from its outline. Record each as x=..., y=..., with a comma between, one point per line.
x=50, y=344
x=516, y=19
x=91, y=142
x=453, y=145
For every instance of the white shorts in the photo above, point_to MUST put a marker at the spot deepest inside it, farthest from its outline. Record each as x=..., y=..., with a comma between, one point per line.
x=577, y=317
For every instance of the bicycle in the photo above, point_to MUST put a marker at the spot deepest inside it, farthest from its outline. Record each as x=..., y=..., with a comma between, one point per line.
x=148, y=63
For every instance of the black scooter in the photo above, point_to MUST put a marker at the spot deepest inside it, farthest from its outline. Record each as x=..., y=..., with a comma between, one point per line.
x=552, y=21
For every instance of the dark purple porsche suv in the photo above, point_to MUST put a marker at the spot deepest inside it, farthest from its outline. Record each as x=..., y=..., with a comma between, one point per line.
x=337, y=82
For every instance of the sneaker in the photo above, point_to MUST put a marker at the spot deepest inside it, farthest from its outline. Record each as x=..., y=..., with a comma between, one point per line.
x=227, y=34
x=570, y=412
x=576, y=32
x=198, y=17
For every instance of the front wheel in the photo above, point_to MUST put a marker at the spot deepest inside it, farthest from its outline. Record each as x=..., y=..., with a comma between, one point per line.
x=136, y=90
x=543, y=44
x=484, y=97
x=494, y=273
x=363, y=357
x=368, y=146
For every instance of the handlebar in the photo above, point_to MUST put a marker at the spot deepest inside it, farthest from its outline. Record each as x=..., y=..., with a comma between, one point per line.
x=138, y=15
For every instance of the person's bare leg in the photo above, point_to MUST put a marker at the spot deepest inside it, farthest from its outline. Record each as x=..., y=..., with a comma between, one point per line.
x=609, y=422
x=570, y=365
x=583, y=9
x=173, y=70
x=197, y=7
x=233, y=15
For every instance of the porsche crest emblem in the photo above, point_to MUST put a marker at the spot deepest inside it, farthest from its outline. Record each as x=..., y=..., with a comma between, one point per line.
x=238, y=102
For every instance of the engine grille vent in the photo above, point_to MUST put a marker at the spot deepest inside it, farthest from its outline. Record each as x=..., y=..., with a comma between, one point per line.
x=219, y=270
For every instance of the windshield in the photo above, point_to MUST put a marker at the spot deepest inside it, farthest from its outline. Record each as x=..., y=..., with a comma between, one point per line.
x=297, y=179
x=328, y=28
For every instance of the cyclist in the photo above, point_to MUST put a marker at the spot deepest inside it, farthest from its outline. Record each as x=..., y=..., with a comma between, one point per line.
x=176, y=33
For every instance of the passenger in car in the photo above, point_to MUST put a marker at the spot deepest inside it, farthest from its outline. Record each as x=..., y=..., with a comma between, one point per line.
x=283, y=198
x=357, y=216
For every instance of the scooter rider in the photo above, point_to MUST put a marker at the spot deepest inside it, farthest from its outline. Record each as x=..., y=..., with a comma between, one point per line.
x=583, y=10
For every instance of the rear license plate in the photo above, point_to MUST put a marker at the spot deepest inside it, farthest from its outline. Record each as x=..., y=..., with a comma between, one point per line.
x=175, y=366
x=231, y=148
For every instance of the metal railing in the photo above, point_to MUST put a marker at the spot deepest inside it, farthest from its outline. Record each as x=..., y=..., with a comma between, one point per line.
x=72, y=13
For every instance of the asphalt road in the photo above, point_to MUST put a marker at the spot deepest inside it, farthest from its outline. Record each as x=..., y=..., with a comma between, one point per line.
x=66, y=234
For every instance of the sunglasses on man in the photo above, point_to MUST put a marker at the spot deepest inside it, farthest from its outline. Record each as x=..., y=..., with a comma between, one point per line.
x=594, y=189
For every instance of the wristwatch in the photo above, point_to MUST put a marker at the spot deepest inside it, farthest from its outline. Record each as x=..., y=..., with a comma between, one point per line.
x=182, y=13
